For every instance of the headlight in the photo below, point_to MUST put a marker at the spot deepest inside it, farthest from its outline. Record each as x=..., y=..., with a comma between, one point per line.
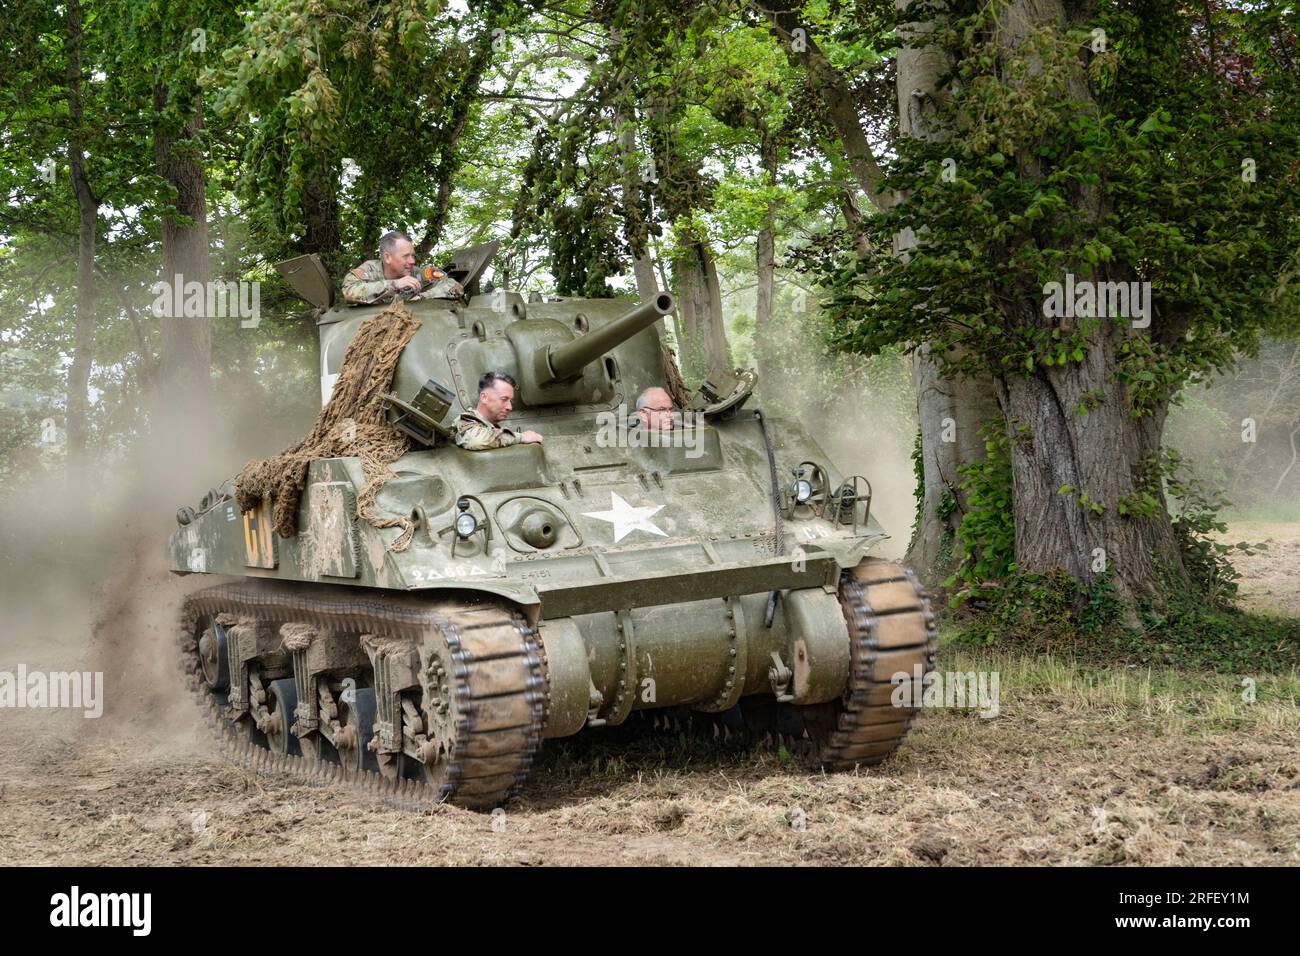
x=802, y=489
x=466, y=523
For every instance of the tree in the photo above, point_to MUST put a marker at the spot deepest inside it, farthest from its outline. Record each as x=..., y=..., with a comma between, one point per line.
x=1085, y=158
x=88, y=223
x=158, y=53
x=950, y=408
x=599, y=198
x=354, y=113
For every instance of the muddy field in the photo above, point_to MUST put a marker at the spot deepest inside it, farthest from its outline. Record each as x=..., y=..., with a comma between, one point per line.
x=1079, y=767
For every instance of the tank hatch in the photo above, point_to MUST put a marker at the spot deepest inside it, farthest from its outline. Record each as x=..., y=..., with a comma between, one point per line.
x=468, y=264
x=306, y=275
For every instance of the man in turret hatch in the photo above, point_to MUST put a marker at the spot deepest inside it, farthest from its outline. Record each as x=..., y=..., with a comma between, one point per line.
x=389, y=277
x=654, y=410
x=481, y=428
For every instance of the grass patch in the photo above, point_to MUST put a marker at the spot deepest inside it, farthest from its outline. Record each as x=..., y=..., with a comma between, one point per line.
x=1125, y=696
x=1190, y=638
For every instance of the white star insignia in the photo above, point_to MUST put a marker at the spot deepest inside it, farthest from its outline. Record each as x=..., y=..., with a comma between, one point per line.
x=627, y=519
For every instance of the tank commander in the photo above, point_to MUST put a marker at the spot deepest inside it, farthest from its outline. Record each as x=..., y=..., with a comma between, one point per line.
x=481, y=427
x=654, y=410
x=389, y=277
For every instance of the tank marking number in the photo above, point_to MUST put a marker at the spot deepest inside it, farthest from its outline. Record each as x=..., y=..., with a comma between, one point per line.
x=460, y=570
x=259, y=536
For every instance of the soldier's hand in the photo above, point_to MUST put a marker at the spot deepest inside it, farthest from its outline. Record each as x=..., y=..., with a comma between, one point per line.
x=531, y=438
x=407, y=282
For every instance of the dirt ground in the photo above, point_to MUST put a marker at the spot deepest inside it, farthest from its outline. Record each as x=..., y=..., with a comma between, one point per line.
x=1102, y=767
x=1270, y=578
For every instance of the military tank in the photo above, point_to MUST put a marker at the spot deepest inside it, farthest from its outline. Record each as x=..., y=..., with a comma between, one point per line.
x=723, y=567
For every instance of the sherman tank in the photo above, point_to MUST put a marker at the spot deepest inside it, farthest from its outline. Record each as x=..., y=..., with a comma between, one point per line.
x=722, y=568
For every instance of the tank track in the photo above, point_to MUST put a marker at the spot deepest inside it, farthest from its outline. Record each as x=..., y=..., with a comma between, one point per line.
x=891, y=630
x=489, y=657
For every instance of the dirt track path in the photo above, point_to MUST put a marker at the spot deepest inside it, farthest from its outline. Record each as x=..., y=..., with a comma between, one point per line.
x=1066, y=774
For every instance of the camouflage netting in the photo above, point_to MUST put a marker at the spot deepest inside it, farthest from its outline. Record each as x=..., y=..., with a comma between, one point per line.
x=351, y=425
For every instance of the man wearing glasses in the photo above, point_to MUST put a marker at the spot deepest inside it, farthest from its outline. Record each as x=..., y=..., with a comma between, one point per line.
x=654, y=410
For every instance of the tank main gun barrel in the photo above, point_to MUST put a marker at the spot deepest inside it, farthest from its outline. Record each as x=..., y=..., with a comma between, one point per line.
x=568, y=360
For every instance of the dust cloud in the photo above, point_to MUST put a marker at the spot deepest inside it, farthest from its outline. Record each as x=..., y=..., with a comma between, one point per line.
x=84, y=584
x=862, y=412
x=863, y=444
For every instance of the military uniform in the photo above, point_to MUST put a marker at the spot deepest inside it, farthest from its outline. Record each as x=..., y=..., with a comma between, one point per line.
x=367, y=285
x=476, y=433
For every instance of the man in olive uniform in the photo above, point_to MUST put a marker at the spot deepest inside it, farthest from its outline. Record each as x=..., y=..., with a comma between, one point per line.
x=481, y=427
x=389, y=277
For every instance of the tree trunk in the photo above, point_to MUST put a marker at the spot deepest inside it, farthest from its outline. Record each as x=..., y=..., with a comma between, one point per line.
x=320, y=209
x=87, y=217
x=185, y=414
x=1058, y=454
x=765, y=270
x=699, y=300
x=836, y=94
x=450, y=160
x=368, y=226
x=704, y=348
x=1065, y=442
x=949, y=411
x=679, y=336
x=643, y=267
x=646, y=283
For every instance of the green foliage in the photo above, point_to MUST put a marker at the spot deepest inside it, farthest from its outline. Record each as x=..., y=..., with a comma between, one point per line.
x=1189, y=634
x=1053, y=612
x=987, y=533
x=1049, y=615
x=1148, y=186
x=374, y=94
x=1206, y=560
x=918, y=489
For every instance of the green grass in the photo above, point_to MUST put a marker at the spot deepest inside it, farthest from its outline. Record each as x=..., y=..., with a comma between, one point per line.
x=1121, y=695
